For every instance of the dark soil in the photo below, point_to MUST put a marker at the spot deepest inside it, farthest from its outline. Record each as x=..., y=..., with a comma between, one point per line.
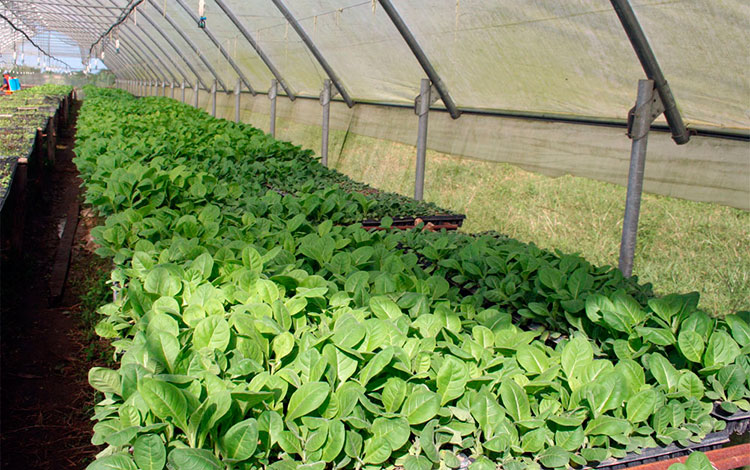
x=45, y=352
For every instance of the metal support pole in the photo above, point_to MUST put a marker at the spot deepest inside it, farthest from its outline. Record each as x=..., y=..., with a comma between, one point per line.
x=421, y=57
x=195, y=95
x=237, y=98
x=325, y=100
x=163, y=88
x=182, y=91
x=647, y=107
x=651, y=66
x=423, y=110
x=314, y=50
x=213, y=100
x=171, y=90
x=272, y=97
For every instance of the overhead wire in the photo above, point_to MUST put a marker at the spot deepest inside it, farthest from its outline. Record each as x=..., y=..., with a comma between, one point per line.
x=31, y=41
x=123, y=16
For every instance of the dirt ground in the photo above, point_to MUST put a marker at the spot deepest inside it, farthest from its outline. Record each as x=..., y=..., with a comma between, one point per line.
x=46, y=351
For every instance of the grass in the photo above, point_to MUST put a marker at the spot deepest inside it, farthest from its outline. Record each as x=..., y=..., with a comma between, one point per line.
x=683, y=246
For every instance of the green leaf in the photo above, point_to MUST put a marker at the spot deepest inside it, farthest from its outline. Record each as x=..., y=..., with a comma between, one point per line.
x=451, y=379
x=486, y=411
x=377, y=450
x=282, y=345
x=194, y=459
x=575, y=357
x=105, y=380
x=570, y=439
x=515, y=400
x=213, y=333
x=698, y=461
x=113, y=462
x=335, y=442
x=306, y=399
x=395, y=430
x=384, y=308
x=149, y=452
x=393, y=394
x=554, y=456
x=375, y=365
x=164, y=399
x=608, y=426
x=660, y=336
x=721, y=350
x=691, y=345
x=533, y=359
x=163, y=282
x=241, y=440
x=641, y=405
x=421, y=406
x=663, y=371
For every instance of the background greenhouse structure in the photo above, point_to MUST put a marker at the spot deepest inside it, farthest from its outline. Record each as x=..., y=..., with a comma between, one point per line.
x=648, y=95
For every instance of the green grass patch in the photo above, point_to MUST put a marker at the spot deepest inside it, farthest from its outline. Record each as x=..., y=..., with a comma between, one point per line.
x=683, y=246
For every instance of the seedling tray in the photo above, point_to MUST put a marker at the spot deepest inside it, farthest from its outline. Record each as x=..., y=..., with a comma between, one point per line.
x=712, y=441
x=7, y=167
x=737, y=423
x=409, y=222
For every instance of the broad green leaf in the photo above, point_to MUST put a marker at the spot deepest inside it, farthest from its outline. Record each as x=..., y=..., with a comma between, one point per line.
x=451, y=379
x=113, y=462
x=420, y=406
x=554, y=456
x=515, y=400
x=570, y=439
x=385, y=308
x=282, y=345
x=691, y=345
x=241, y=440
x=335, y=442
x=575, y=356
x=149, y=452
x=194, y=459
x=377, y=450
x=375, y=366
x=721, y=350
x=533, y=359
x=393, y=394
x=162, y=281
x=663, y=371
x=641, y=405
x=164, y=399
x=105, y=380
x=307, y=399
x=608, y=426
x=486, y=411
x=395, y=430
x=212, y=332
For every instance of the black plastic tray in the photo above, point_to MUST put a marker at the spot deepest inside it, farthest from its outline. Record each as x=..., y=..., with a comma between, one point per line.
x=11, y=162
x=457, y=219
x=712, y=441
x=737, y=423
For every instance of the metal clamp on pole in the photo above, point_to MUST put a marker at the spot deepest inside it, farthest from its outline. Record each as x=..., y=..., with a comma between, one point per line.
x=213, y=99
x=195, y=95
x=182, y=91
x=648, y=107
x=325, y=100
x=651, y=66
x=272, y=97
x=422, y=108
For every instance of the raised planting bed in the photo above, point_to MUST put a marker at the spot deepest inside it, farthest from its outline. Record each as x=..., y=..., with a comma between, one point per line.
x=259, y=329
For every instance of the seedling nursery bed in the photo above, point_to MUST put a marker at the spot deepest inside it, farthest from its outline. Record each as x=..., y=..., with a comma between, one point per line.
x=248, y=289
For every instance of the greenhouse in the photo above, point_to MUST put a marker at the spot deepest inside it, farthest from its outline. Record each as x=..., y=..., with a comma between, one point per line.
x=375, y=234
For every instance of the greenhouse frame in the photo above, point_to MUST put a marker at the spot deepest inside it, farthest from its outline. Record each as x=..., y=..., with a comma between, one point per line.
x=461, y=351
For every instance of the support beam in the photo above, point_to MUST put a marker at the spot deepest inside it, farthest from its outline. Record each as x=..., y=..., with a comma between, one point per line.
x=189, y=42
x=172, y=45
x=423, y=110
x=195, y=97
x=416, y=49
x=213, y=100
x=651, y=66
x=325, y=101
x=171, y=90
x=164, y=89
x=249, y=38
x=237, y=99
x=314, y=50
x=647, y=108
x=216, y=42
x=272, y=97
x=182, y=91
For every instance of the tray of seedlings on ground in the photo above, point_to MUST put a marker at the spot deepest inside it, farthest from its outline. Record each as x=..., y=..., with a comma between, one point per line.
x=257, y=329
x=21, y=114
